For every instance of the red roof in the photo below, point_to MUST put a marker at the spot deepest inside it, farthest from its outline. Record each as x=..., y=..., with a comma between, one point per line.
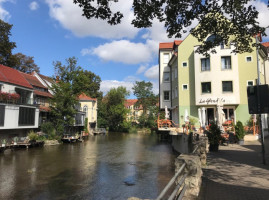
x=13, y=76
x=46, y=78
x=178, y=42
x=166, y=45
x=266, y=44
x=33, y=80
x=169, y=45
x=44, y=94
x=129, y=102
x=86, y=98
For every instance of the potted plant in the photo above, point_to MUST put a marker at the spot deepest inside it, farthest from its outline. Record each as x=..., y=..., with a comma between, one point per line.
x=239, y=132
x=214, y=137
x=4, y=142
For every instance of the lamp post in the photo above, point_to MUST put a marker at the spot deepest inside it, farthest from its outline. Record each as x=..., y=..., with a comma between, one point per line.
x=258, y=99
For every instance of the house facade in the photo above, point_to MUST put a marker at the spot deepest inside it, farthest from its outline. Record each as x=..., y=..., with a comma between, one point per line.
x=88, y=105
x=197, y=81
x=134, y=111
x=18, y=113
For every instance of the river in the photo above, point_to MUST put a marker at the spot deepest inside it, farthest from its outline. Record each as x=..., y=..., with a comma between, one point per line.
x=96, y=169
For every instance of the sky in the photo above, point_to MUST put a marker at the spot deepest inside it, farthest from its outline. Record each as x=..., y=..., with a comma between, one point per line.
x=54, y=30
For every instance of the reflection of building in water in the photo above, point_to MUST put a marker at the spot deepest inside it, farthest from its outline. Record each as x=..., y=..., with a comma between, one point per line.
x=190, y=80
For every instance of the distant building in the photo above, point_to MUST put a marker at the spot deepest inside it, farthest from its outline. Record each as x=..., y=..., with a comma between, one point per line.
x=89, y=106
x=134, y=111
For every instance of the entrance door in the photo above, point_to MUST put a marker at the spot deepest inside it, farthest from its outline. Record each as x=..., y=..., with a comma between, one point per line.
x=210, y=115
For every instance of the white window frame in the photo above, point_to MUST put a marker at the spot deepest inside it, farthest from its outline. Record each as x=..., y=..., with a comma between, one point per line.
x=164, y=77
x=206, y=68
x=166, y=58
x=230, y=67
x=187, y=64
x=185, y=85
x=168, y=95
x=250, y=81
x=250, y=58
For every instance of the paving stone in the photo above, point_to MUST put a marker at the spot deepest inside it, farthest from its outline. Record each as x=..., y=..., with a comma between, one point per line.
x=236, y=172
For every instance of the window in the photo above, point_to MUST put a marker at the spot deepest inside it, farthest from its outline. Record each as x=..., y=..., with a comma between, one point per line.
x=250, y=83
x=175, y=72
x=85, y=109
x=249, y=59
x=166, y=95
x=205, y=64
x=206, y=87
x=185, y=86
x=184, y=64
x=2, y=115
x=227, y=86
x=165, y=58
x=222, y=45
x=226, y=62
x=26, y=116
x=166, y=76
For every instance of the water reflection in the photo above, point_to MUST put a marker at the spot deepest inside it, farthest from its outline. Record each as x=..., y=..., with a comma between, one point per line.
x=96, y=169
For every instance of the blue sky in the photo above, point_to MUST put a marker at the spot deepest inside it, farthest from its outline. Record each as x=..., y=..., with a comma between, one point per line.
x=53, y=30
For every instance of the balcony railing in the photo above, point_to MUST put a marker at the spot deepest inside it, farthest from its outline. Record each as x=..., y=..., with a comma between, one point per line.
x=20, y=101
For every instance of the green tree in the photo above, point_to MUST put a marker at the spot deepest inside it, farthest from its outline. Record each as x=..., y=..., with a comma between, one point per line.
x=114, y=113
x=6, y=46
x=145, y=96
x=71, y=81
x=23, y=63
x=179, y=15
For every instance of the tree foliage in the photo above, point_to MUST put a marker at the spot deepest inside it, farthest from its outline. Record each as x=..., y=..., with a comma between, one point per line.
x=180, y=14
x=24, y=63
x=112, y=112
x=6, y=46
x=71, y=81
x=145, y=96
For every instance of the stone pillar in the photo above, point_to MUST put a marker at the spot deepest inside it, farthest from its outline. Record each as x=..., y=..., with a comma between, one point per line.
x=194, y=170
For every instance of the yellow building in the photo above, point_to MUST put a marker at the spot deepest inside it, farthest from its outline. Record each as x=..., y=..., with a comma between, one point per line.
x=89, y=106
x=134, y=111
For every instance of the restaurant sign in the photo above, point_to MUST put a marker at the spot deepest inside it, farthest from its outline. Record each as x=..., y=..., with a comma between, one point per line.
x=214, y=100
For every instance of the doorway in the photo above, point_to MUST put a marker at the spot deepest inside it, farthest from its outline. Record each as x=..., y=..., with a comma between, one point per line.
x=210, y=116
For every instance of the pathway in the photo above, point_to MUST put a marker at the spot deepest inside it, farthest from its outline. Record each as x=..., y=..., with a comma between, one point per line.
x=236, y=173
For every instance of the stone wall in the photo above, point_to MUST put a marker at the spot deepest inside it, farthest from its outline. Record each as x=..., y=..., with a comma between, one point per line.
x=194, y=162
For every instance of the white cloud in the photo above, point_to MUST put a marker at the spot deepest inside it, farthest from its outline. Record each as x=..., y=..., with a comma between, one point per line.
x=69, y=16
x=85, y=52
x=124, y=51
x=4, y=14
x=141, y=69
x=106, y=85
x=263, y=14
x=152, y=73
x=33, y=5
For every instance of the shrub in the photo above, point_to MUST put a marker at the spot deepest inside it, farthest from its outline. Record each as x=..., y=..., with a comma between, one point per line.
x=47, y=128
x=133, y=129
x=214, y=134
x=32, y=135
x=239, y=131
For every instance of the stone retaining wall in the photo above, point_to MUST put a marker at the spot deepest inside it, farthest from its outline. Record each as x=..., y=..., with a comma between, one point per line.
x=194, y=163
